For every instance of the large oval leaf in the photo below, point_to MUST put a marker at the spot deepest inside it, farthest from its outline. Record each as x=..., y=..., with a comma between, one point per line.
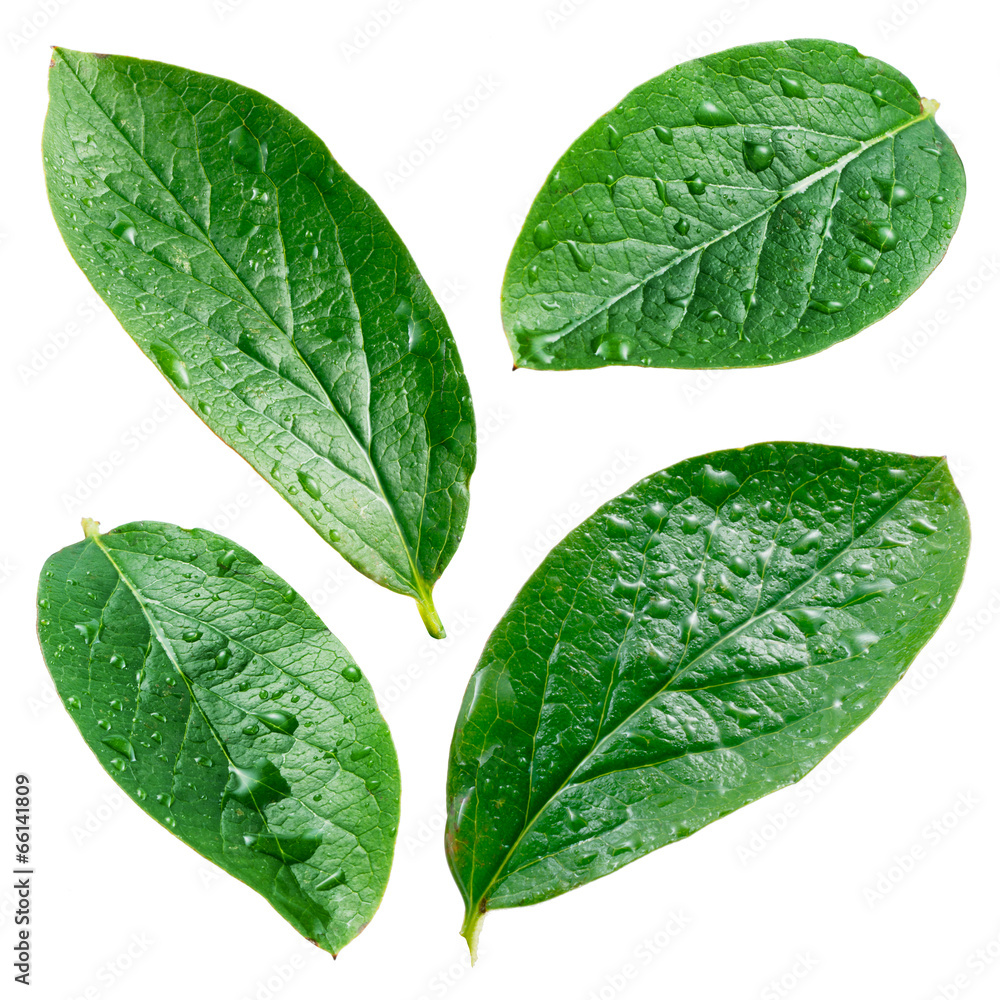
x=275, y=296
x=747, y=208
x=702, y=640
x=219, y=702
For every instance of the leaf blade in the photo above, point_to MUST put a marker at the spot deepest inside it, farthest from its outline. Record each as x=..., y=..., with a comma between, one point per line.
x=296, y=793
x=275, y=296
x=718, y=217
x=702, y=640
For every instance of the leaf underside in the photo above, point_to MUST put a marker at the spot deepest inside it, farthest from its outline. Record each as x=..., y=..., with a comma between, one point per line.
x=702, y=640
x=746, y=208
x=275, y=296
x=219, y=702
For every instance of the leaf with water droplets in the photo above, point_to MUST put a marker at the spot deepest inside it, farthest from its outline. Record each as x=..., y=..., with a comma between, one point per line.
x=702, y=640
x=753, y=206
x=242, y=725
x=267, y=286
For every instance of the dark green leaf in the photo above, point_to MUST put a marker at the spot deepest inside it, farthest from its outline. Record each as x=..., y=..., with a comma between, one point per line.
x=275, y=296
x=219, y=702
x=702, y=640
x=747, y=208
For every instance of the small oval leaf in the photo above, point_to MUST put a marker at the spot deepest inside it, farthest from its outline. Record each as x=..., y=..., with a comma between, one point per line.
x=222, y=708
x=755, y=206
x=702, y=640
x=274, y=295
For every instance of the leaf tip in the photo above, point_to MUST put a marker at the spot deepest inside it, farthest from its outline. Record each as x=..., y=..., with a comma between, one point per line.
x=91, y=528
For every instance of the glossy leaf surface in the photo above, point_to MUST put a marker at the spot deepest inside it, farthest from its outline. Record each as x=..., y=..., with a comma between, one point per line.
x=750, y=207
x=275, y=296
x=220, y=703
x=700, y=641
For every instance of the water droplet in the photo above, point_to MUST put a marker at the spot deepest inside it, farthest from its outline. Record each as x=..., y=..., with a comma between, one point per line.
x=809, y=620
x=287, y=847
x=791, y=87
x=159, y=716
x=711, y=115
x=806, y=543
x=117, y=763
x=73, y=703
x=171, y=365
x=922, y=526
x=614, y=137
x=614, y=349
x=90, y=631
x=288, y=595
x=544, y=237
x=223, y=657
x=894, y=194
x=664, y=135
x=937, y=199
x=858, y=641
x=310, y=484
x=331, y=881
x=757, y=155
x=682, y=226
x=246, y=150
x=826, y=306
x=878, y=234
x=359, y=753
x=226, y=560
x=661, y=189
x=278, y=721
x=879, y=98
x=861, y=263
x=123, y=227
x=869, y=589
x=574, y=251
x=165, y=799
x=256, y=786
x=695, y=184
x=116, y=661
x=191, y=635
x=351, y=673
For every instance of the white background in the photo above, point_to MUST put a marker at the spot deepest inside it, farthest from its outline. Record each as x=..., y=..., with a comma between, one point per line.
x=821, y=908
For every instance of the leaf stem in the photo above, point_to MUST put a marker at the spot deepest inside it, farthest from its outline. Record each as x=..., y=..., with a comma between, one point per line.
x=429, y=616
x=470, y=931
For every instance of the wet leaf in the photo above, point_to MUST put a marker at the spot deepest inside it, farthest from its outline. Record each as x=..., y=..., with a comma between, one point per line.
x=219, y=702
x=277, y=299
x=702, y=640
x=746, y=208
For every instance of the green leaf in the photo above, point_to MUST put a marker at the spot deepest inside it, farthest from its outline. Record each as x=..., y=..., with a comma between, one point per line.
x=275, y=296
x=219, y=702
x=747, y=208
x=700, y=641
